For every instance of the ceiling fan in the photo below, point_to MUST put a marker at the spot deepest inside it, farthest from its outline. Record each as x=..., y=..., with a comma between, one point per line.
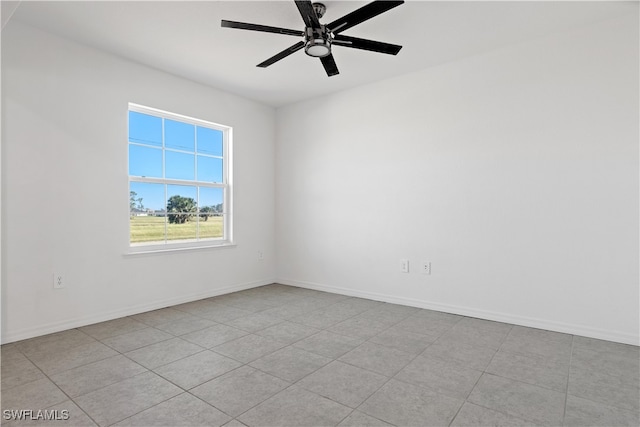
x=318, y=38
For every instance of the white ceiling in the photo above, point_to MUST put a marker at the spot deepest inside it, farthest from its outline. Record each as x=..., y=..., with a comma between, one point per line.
x=185, y=38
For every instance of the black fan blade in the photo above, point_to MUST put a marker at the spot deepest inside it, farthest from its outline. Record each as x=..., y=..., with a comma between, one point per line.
x=263, y=28
x=358, y=16
x=329, y=65
x=288, y=51
x=364, y=44
x=308, y=14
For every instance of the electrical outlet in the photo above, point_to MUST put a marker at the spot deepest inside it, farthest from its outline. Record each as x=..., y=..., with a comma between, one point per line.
x=57, y=281
x=260, y=256
x=426, y=267
x=404, y=265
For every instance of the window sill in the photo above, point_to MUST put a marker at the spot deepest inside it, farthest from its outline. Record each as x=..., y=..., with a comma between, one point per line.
x=168, y=249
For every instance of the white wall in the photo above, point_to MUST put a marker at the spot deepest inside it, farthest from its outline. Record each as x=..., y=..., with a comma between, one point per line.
x=514, y=172
x=65, y=188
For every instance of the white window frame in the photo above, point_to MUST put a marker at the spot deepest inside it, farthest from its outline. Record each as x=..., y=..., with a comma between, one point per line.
x=226, y=185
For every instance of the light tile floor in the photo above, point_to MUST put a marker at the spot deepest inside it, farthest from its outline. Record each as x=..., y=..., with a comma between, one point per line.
x=285, y=356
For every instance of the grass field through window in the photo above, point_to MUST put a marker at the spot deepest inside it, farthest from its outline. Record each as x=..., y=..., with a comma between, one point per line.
x=152, y=229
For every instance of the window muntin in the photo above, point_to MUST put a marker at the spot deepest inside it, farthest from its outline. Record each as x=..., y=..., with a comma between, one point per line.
x=179, y=180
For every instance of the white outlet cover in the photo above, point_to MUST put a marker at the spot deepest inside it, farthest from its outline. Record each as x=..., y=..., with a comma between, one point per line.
x=58, y=282
x=426, y=267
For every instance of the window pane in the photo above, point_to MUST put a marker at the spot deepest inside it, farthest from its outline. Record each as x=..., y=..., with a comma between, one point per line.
x=145, y=129
x=147, y=219
x=179, y=165
x=211, y=227
x=211, y=223
x=179, y=135
x=147, y=196
x=181, y=212
x=209, y=169
x=145, y=161
x=181, y=199
x=212, y=198
x=183, y=227
x=209, y=141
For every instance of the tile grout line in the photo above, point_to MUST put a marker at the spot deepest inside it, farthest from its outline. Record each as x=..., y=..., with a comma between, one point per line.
x=392, y=377
x=188, y=391
x=248, y=333
x=284, y=346
x=483, y=372
x=523, y=354
x=262, y=401
x=347, y=416
x=294, y=383
x=172, y=397
x=58, y=387
x=566, y=394
x=211, y=404
x=101, y=388
x=83, y=364
x=503, y=413
x=259, y=312
x=147, y=370
x=137, y=348
x=183, y=320
x=150, y=370
x=607, y=404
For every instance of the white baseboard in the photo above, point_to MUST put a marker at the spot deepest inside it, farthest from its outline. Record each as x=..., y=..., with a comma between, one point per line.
x=50, y=328
x=566, y=328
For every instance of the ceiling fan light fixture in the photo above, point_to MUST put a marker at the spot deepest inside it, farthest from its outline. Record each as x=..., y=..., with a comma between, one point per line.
x=318, y=48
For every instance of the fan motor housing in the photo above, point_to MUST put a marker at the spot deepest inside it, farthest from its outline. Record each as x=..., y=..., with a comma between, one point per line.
x=318, y=43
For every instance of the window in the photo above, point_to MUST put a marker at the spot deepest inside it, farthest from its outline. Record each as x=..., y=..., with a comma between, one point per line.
x=179, y=180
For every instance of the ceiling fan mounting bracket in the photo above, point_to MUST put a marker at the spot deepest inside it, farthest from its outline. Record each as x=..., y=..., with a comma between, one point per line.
x=320, y=9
